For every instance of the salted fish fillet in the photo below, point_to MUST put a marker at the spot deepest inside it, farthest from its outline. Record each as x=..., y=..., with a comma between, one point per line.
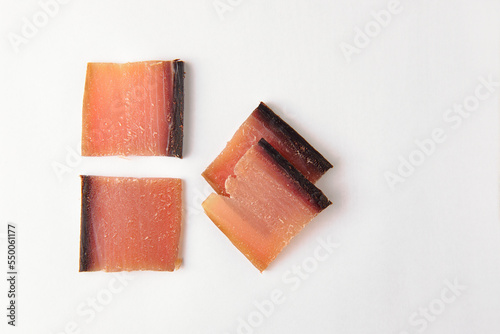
x=264, y=123
x=133, y=109
x=130, y=223
x=269, y=202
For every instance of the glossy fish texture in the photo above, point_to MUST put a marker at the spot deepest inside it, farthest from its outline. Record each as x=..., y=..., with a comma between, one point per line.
x=133, y=109
x=269, y=202
x=130, y=223
x=264, y=123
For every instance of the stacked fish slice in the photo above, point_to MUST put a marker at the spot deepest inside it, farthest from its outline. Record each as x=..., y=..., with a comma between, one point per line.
x=264, y=182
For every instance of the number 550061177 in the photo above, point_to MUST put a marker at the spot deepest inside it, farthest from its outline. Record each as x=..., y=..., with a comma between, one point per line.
x=11, y=251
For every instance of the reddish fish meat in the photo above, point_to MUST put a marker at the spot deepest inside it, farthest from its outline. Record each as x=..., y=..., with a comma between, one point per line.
x=130, y=223
x=264, y=123
x=133, y=109
x=269, y=201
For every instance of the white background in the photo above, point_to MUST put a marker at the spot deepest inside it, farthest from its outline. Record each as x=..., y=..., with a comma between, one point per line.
x=398, y=247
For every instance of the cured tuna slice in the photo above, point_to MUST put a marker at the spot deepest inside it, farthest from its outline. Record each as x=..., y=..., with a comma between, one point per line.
x=264, y=123
x=269, y=203
x=130, y=224
x=133, y=109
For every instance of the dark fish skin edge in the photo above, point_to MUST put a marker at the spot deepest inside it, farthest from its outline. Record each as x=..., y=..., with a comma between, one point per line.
x=316, y=196
x=177, y=131
x=268, y=116
x=86, y=224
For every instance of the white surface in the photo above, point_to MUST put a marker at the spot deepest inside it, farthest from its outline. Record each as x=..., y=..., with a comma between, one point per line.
x=397, y=247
